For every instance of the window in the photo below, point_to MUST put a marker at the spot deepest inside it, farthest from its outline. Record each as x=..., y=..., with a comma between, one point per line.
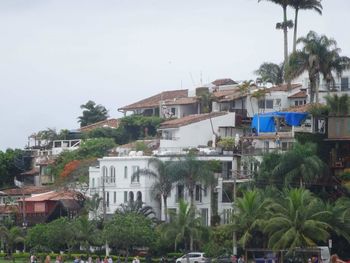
x=205, y=191
x=107, y=199
x=265, y=104
x=125, y=172
x=125, y=196
x=131, y=196
x=269, y=104
x=139, y=197
x=167, y=135
x=173, y=111
x=179, y=192
x=204, y=215
x=105, y=174
x=93, y=183
x=135, y=179
x=198, y=193
x=344, y=84
x=112, y=172
x=115, y=197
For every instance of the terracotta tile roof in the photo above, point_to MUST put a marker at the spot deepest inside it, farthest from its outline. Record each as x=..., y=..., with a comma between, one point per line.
x=302, y=108
x=52, y=196
x=111, y=123
x=154, y=101
x=222, y=82
x=189, y=119
x=27, y=190
x=284, y=87
x=31, y=172
x=222, y=93
x=300, y=94
x=181, y=101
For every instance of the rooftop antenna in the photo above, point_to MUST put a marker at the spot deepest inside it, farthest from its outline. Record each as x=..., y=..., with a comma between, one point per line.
x=194, y=84
x=201, y=79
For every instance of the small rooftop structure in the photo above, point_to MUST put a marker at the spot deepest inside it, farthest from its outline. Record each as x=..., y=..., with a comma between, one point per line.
x=284, y=87
x=223, y=82
x=110, y=123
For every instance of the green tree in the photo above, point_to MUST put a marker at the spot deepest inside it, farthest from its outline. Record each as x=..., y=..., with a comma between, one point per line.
x=37, y=237
x=284, y=25
x=137, y=207
x=265, y=176
x=163, y=183
x=319, y=55
x=138, y=126
x=92, y=205
x=298, y=219
x=300, y=164
x=85, y=232
x=189, y=171
x=250, y=215
x=271, y=72
x=92, y=113
x=130, y=229
x=11, y=237
x=11, y=164
x=184, y=225
x=303, y=5
x=338, y=105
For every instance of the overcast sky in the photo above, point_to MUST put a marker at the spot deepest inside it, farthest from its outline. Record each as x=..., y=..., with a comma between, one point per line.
x=57, y=55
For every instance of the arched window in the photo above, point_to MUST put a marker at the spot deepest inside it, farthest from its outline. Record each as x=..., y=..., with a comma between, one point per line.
x=105, y=174
x=131, y=196
x=139, y=197
x=112, y=172
x=125, y=172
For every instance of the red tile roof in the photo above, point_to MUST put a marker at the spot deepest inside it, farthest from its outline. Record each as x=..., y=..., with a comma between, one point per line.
x=27, y=190
x=53, y=196
x=154, y=101
x=284, y=87
x=300, y=94
x=181, y=101
x=189, y=119
x=111, y=123
x=31, y=172
x=303, y=108
x=222, y=82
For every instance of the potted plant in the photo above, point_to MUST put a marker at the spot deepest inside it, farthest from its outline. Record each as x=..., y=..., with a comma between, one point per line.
x=227, y=144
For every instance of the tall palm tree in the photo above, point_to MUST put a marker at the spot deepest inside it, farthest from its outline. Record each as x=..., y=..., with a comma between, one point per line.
x=11, y=237
x=303, y=5
x=300, y=164
x=190, y=171
x=183, y=225
x=296, y=220
x=271, y=72
x=250, y=215
x=319, y=55
x=283, y=25
x=338, y=105
x=163, y=184
x=138, y=209
x=93, y=206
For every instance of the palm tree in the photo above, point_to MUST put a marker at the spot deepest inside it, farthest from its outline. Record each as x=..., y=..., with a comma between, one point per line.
x=183, y=225
x=296, y=220
x=162, y=186
x=138, y=209
x=244, y=88
x=93, y=205
x=338, y=105
x=250, y=215
x=11, y=237
x=284, y=25
x=271, y=72
x=303, y=5
x=190, y=171
x=319, y=55
x=300, y=164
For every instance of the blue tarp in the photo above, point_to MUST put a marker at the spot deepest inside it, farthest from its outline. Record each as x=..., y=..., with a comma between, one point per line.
x=267, y=122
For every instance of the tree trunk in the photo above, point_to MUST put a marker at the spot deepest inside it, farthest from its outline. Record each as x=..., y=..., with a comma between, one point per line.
x=312, y=89
x=191, y=191
x=191, y=242
x=285, y=34
x=295, y=30
x=165, y=208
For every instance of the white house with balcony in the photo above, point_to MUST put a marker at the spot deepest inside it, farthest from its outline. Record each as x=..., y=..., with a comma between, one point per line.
x=193, y=131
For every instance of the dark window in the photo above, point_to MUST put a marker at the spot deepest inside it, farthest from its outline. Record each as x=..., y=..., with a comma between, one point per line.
x=198, y=193
x=125, y=196
x=269, y=104
x=107, y=199
x=344, y=84
x=115, y=197
x=179, y=192
x=131, y=196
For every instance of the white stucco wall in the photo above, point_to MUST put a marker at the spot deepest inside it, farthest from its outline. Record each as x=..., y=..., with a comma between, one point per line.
x=123, y=183
x=195, y=134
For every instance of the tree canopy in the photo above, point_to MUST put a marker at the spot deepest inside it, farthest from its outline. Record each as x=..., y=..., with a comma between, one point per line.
x=92, y=113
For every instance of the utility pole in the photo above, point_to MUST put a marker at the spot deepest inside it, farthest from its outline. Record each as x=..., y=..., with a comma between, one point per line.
x=104, y=206
x=234, y=235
